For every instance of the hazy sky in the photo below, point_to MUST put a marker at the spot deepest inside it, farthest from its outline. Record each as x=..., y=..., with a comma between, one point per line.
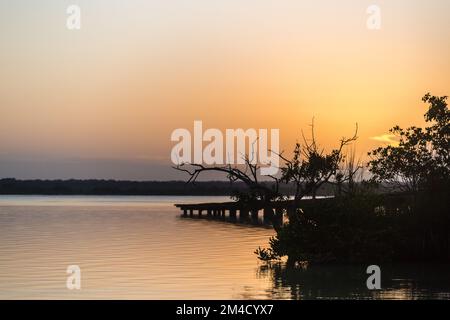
x=101, y=102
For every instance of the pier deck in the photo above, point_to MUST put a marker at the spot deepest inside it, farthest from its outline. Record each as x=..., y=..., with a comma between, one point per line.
x=243, y=211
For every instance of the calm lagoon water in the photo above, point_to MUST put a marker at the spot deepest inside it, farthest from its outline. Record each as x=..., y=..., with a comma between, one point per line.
x=138, y=247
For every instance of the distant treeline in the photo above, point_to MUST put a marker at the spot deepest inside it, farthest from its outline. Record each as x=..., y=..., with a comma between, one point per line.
x=12, y=186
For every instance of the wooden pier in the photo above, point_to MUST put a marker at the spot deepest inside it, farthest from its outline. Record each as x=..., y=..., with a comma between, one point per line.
x=268, y=213
x=255, y=212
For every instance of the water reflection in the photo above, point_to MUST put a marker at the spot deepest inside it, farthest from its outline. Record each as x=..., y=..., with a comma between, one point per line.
x=260, y=222
x=140, y=248
x=126, y=247
x=400, y=281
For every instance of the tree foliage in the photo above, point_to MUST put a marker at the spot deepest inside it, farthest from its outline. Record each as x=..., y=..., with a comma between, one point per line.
x=422, y=154
x=365, y=226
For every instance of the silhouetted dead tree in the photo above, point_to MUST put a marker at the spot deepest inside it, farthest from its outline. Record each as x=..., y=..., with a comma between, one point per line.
x=311, y=167
x=248, y=175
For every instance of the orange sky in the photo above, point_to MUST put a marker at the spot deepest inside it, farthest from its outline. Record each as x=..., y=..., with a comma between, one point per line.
x=102, y=102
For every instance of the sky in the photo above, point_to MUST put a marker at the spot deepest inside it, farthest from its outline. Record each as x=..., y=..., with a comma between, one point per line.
x=102, y=101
